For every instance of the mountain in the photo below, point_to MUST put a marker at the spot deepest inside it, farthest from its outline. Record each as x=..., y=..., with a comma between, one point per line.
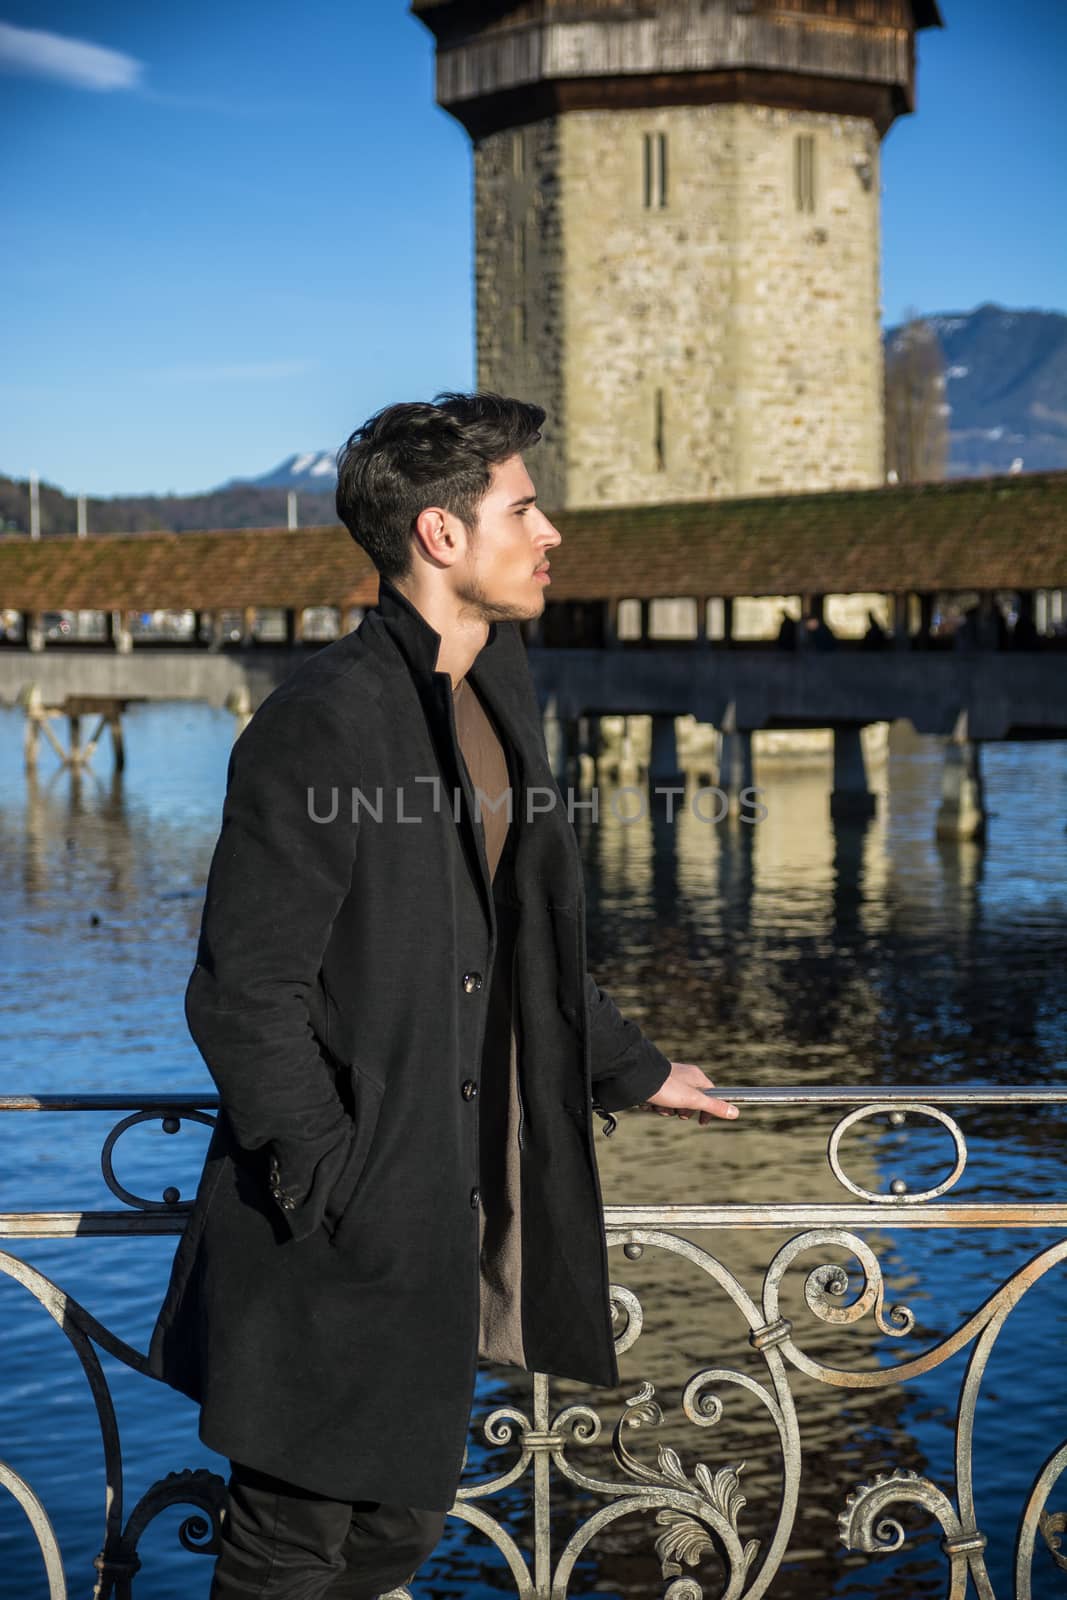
x=1006, y=375
x=245, y=505
x=316, y=472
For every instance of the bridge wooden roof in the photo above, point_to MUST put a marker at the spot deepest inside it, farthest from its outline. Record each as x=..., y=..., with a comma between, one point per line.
x=981, y=533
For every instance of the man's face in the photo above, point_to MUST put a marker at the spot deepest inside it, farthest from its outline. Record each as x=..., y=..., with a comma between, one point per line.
x=503, y=574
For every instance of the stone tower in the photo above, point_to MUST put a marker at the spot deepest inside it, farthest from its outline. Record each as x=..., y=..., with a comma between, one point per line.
x=677, y=224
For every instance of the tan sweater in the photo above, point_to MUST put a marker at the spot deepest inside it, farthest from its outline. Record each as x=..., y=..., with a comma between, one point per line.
x=500, y=1337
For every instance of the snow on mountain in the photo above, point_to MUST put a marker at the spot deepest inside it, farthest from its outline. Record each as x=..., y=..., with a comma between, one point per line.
x=314, y=471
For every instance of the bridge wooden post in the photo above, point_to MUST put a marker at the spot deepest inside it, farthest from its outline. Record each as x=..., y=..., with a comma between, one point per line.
x=572, y=748
x=118, y=743
x=902, y=620
x=617, y=762
x=812, y=613
x=37, y=722
x=850, y=797
x=664, y=768
x=587, y=746
x=606, y=759
x=962, y=812
x=118, y=631
x=735, y=771
x=646, y=615
x=561, y=743
x=239, y=701
x=31, y=733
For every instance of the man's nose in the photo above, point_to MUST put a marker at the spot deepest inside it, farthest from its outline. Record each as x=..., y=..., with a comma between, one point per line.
x=550, y=535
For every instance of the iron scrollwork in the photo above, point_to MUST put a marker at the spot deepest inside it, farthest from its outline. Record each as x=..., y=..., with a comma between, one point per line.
x=698, y=1513
x=117, y=1562
x=171, y=1123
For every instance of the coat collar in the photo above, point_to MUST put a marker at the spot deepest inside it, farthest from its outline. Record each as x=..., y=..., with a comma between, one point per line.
x=500, y=674
x=417, y=641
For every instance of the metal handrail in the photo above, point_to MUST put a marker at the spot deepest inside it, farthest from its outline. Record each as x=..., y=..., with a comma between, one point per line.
x=701, y=1512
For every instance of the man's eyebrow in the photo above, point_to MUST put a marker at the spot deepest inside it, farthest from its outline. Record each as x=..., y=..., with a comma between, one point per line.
x=527, y=500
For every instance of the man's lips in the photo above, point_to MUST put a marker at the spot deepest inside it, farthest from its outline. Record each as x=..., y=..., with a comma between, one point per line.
x=542, y=573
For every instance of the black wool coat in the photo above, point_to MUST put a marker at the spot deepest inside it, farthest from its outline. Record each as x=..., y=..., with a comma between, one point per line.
x=323, y=1301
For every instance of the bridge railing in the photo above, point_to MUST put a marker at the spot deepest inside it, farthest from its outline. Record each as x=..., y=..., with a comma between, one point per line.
x=690, y=1524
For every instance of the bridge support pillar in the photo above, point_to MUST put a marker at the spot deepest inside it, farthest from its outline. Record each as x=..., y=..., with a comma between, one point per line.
x=118, y=742
x=588, y=747
x=620, y=765
x=239, y=701
x=77, y=755
x=962, y=812
x=663, y=764
x=850, y=797
x=735, y=760
x=31, y=733
x=563, y=745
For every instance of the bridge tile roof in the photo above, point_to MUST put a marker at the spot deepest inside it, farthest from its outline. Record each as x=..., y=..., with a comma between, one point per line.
x=982, y=533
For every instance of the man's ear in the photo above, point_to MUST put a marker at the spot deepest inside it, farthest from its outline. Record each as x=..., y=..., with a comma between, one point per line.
x=439, y=535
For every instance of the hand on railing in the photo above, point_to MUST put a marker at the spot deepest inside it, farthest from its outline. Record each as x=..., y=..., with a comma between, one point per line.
x=687, y=1092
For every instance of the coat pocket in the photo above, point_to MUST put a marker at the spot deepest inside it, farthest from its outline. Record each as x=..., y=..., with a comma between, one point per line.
x=365, y=1109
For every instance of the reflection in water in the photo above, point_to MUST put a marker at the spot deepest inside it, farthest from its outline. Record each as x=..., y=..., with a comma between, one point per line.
x=791, y=951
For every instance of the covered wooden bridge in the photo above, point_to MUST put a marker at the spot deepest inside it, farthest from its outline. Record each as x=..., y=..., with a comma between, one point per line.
x=942, y=604
x=912, y=547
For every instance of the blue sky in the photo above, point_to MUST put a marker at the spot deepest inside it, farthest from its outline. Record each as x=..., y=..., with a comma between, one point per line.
x=231, y=231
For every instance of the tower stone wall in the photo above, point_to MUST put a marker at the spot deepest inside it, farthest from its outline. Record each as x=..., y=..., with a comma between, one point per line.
x=726, y=342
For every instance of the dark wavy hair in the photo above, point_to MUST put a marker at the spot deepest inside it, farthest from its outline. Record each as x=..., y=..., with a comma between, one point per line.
x=418, y=454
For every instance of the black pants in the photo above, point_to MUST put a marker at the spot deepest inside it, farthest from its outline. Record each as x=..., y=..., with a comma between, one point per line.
x=280, y=1542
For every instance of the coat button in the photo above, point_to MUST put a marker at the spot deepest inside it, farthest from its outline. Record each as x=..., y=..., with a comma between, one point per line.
x=476, y=1198
x=471, y=981
x=469, y=1089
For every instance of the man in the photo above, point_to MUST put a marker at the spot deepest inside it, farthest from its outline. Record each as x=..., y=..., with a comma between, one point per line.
x=390, y=992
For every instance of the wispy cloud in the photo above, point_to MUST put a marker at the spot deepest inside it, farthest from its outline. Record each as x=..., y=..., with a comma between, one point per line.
x=72, y=61
x=235, y=372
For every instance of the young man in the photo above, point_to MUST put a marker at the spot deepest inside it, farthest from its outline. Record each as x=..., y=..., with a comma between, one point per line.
x=390, y=992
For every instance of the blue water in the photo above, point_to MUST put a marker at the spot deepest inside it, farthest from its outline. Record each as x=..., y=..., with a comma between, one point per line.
x=790, y=955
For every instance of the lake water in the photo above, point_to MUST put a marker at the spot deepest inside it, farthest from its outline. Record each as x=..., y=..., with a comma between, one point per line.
x=787, y=953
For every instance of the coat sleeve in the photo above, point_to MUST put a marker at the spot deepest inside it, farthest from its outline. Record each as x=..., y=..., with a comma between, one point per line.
x=277, y=879
x=626, y=1066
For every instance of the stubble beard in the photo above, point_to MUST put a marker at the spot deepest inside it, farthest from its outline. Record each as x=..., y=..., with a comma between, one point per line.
x=476, y=604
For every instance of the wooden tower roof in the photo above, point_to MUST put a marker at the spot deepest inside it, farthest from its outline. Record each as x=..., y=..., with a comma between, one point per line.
x=502, y=63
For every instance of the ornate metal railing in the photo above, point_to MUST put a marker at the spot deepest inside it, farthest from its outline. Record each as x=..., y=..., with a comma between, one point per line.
x=695, y=1516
